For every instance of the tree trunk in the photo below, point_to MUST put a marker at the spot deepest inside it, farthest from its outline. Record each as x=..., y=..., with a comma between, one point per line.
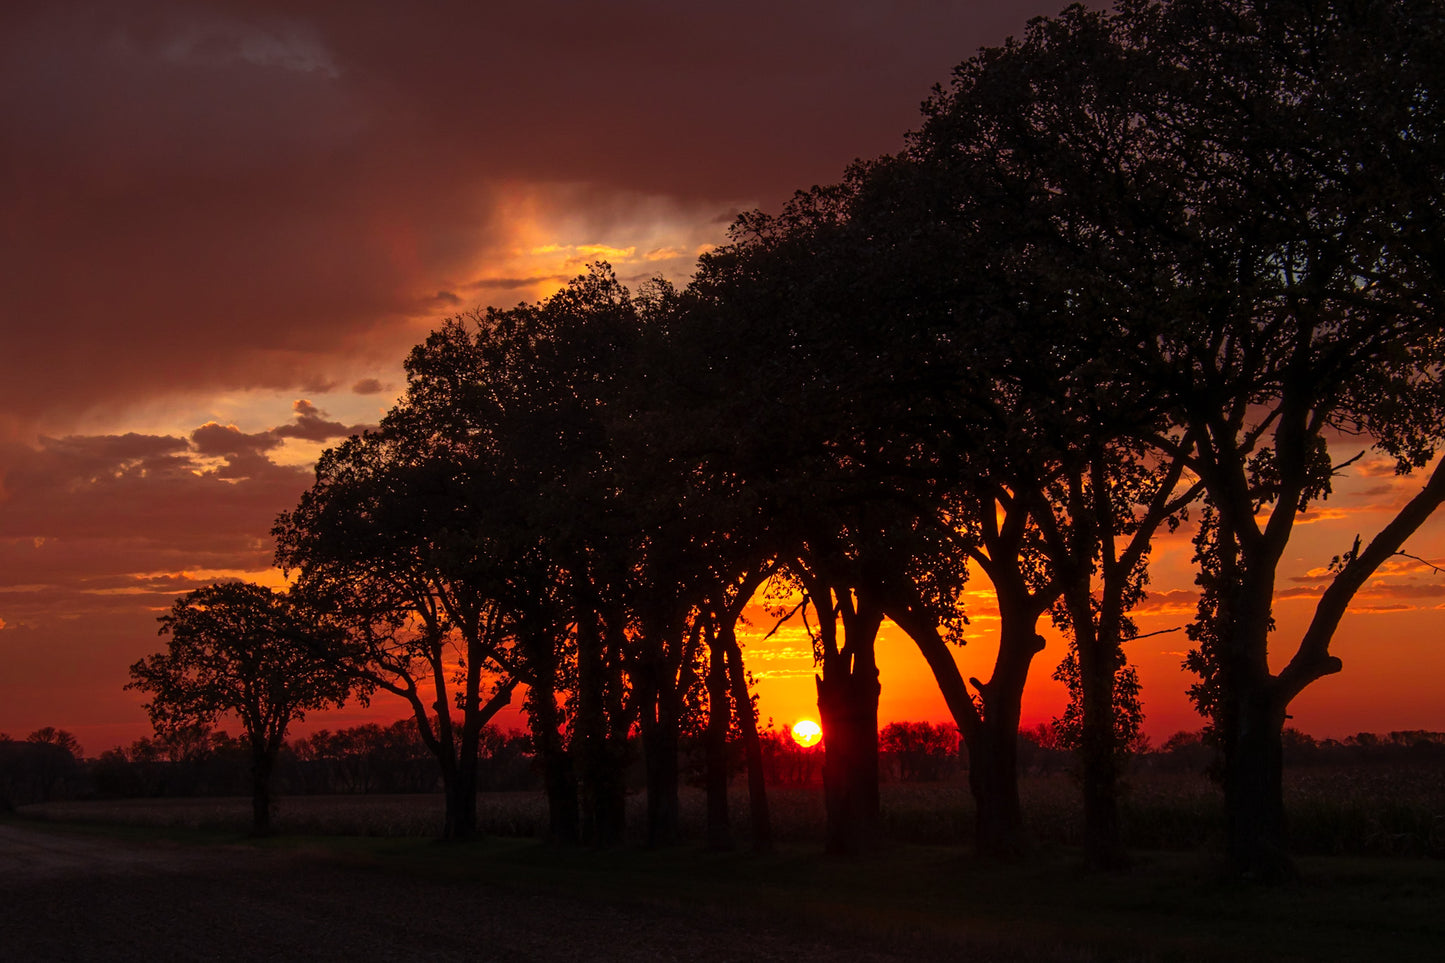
x=1103, y=842
x=993, y=749
x=660, y=747
x=452, y=817
x=563, y=817
x=464, y=798
x=589, y=738
x=759, y=818
x=993, y=780
x=1098, y=749
x=563, y=827
x=603, y=725
x=719, y=711
x=1251, y=729
x=262, y=763
x=1254, y=790
x=989, y=729
x=848, y=707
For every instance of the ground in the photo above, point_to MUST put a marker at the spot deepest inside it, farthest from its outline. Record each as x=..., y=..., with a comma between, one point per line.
x=84, y=897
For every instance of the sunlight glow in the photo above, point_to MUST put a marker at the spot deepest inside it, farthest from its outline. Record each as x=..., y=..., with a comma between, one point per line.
x=807, y=733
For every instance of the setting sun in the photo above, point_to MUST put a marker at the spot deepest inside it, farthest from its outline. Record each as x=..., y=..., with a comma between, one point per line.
x=807, y=733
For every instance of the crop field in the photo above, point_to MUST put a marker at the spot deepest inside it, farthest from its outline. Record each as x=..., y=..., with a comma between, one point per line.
x=1333, y=811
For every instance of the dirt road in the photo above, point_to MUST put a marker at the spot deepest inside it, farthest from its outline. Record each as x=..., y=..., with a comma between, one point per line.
x=73, y=897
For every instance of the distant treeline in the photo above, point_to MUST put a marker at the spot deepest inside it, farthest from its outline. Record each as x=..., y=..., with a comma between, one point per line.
x=391, y=759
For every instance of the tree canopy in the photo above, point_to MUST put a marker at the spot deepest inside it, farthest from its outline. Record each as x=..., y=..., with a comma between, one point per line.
x=1169, y=264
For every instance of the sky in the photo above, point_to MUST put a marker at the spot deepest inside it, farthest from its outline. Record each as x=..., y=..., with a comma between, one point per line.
x=223, y=224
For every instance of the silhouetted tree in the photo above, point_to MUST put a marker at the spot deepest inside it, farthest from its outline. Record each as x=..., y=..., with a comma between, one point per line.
x=51, y=736
x=1240, y=193
x=800, y=438
x=546, y=391
x=37, y=769
x=1313, y=253
x=391, y=541
x=240, y=649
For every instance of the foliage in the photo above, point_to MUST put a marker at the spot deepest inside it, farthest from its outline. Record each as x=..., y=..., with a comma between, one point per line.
x=242, y=650
x=1128, y=715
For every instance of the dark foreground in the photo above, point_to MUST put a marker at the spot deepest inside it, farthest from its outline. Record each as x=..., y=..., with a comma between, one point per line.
x=74, y=897
x=107, y=893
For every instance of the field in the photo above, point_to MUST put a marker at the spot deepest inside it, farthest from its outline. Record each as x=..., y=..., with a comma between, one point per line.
x=1369, y=890
x=1395, y=810
x=324, y=890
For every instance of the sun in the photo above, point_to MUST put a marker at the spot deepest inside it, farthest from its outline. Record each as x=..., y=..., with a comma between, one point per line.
x=807, y=733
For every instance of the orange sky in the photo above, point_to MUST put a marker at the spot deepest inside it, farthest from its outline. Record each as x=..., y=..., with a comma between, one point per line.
x=1392, y=642
x=227, y=222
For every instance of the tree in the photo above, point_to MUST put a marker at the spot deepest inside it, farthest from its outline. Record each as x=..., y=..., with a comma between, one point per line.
x=51, y=736
x=391, y=543
x=1314, y=228
x=36, y=769
x=756, y=306
x=240, y=649
x=504, y=508
x=1242, y=198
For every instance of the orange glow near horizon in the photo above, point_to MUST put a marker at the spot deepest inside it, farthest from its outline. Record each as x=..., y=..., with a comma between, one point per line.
x=1389, y=643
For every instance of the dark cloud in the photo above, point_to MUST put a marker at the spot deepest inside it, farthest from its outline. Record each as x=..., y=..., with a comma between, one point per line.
x=227, y=440
x=369, y=386
x=86, y=457
x=518, y=284
x=219, y=196
x=111, y=490
x=1404, y=590
x=1173, y=601
x=311, y=424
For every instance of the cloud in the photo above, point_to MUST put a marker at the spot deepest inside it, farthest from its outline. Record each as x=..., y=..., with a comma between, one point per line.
x=312, y=425
x=227, y=440
x=370, y=386
x=527, y=283
x=1403, y=591
x=82, y=508
x=1172, y=602
x=782, y=673
x=763, y=652
x=1375, y=467
x=239, y=194
x=1368, y=607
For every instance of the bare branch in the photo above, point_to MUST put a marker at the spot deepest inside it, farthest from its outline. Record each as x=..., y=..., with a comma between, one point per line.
x=1428, y=564
x=1145, y=635
x=794, y=611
